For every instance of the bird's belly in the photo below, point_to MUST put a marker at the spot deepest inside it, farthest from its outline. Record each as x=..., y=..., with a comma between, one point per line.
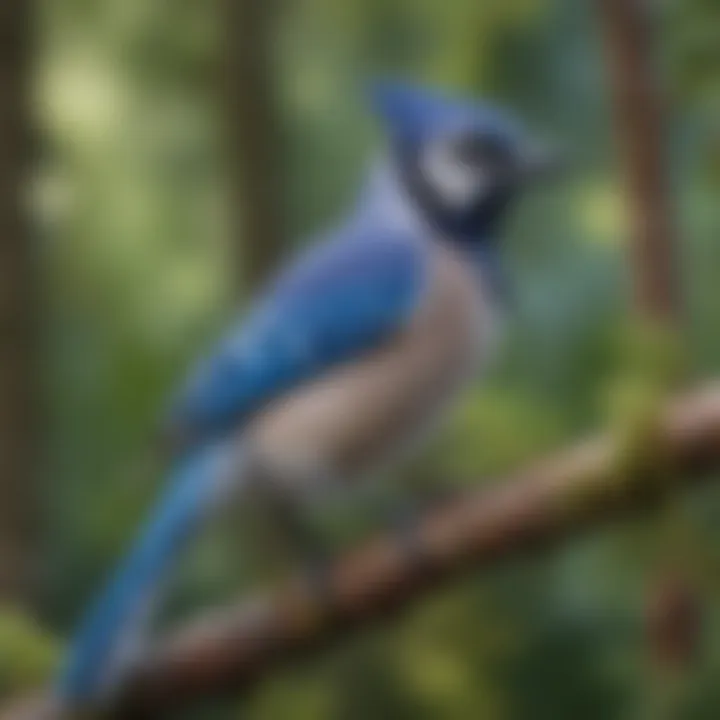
x=366, y=412
x=351, y=422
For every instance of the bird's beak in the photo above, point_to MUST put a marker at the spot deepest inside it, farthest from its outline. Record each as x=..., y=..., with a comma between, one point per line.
x=538, y=162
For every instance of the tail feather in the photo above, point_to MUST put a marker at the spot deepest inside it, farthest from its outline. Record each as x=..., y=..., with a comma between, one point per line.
x=123, y=609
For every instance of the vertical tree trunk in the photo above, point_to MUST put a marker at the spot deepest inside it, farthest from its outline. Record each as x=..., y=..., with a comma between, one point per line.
x=673, y=617
x=638, y=106
x=18, y=372
x=253, y=137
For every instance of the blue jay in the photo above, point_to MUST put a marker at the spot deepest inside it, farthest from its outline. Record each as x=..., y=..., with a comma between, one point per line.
x=348, y=357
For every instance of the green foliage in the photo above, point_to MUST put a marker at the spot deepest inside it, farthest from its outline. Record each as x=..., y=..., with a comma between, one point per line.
x=27, y=654
x=128, y=202
x=497, y=429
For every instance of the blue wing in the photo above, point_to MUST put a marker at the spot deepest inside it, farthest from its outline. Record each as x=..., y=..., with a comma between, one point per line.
x=340, y=301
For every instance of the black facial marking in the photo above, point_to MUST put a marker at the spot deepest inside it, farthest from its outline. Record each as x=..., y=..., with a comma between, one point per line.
x=482, y=151
x=485, y=152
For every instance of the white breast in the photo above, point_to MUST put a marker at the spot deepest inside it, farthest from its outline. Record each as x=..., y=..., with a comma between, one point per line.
x=366, y=412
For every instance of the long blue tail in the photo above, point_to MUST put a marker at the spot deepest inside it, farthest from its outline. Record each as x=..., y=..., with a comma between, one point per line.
x=94, y=656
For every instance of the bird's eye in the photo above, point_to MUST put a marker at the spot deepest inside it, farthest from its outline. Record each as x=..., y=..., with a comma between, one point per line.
x=481, y=151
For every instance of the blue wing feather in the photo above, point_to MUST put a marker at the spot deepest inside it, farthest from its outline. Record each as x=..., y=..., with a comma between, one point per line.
x=339, y=302
x=121, y=606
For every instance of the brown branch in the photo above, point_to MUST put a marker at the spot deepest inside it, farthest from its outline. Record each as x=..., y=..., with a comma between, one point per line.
x=638, y=105
x=570, y=492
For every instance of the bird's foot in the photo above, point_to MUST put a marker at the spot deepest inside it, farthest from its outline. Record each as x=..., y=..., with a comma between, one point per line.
x=318, y=574
x=407, y=521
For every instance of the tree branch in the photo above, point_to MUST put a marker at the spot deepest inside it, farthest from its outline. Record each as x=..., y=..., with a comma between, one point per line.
x=573, y=491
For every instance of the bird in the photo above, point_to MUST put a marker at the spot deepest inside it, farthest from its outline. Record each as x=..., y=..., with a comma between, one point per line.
x=348, y=359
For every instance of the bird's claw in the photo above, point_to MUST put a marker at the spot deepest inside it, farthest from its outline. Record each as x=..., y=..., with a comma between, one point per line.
x=318, y=575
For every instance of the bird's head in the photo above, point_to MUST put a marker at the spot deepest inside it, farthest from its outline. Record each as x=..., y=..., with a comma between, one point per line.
x=461, y=162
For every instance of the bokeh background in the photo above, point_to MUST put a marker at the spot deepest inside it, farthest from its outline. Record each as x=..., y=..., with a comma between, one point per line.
x=150, y=214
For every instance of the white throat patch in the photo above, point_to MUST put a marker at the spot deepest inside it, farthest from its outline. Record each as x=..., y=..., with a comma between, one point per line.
x=457, y=184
